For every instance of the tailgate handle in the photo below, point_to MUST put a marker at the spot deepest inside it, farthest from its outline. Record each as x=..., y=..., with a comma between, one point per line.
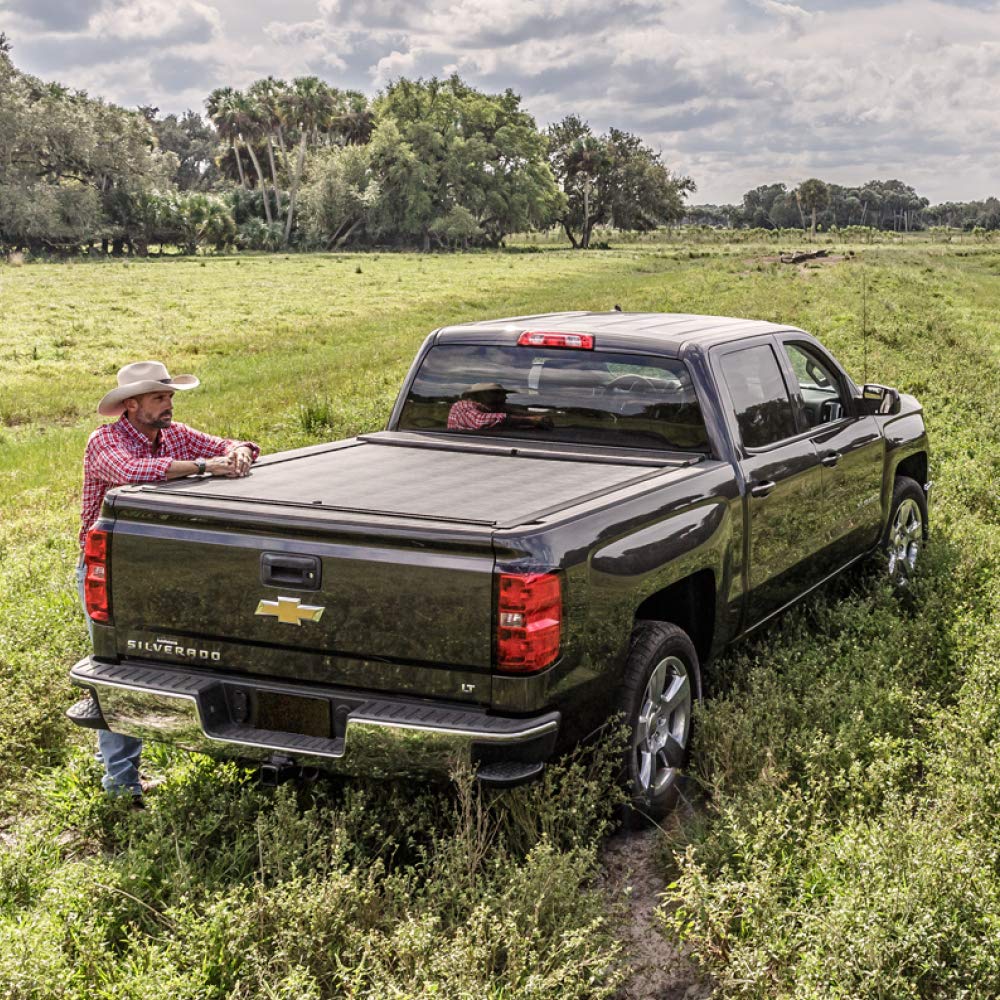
x=300, y=572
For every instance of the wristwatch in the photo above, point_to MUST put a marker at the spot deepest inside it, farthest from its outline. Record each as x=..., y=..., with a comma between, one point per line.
x=202, y=465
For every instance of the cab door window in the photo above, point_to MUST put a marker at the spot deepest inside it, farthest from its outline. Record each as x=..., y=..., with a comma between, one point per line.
x=819, y=388
x=759, y=394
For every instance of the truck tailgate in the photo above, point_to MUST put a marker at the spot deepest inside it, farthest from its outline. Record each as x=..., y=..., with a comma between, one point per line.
x=381, y=599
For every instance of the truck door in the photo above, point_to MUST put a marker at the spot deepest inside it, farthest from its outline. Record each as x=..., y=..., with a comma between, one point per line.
x=785, y=515
x=850, y=448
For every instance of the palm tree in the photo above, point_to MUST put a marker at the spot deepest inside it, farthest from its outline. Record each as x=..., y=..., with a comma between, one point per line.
x=812, y=195
x=306, y=108
x=356, y=124
x=266, y=95
x=221, y=107
x=252, y=128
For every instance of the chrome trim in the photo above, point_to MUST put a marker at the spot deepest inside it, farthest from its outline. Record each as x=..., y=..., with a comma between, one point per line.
x=372, y=746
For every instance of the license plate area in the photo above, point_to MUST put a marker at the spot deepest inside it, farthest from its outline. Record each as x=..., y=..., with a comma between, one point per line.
x=290, y=713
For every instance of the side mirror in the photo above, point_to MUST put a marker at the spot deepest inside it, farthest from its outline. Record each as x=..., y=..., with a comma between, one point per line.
x=879, y=399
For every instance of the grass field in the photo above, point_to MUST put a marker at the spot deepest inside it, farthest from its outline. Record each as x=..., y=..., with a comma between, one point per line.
x=844, y=843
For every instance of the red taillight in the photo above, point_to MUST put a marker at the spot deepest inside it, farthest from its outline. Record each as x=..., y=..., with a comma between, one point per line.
x=96, y=579
x=539, y=338
x=529, y=621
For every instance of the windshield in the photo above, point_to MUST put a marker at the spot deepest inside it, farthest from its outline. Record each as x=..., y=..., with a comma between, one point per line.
x=580, y=397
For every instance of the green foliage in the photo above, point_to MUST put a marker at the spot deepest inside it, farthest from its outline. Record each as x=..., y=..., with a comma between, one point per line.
x=193, y=143
x=440, y=144
x=63, y=156
x=318, y=416
x=339, y=196
x=883, y=205
x=812, y=196
x=614, y=179
x=192, y=219
x=226, y=889
x=256, y=234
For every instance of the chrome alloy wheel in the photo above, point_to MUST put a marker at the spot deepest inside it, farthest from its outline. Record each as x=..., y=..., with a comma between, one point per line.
x=905, y=538
x=663, y=726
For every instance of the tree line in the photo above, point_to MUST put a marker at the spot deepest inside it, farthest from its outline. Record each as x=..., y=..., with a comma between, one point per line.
x=303, y=164
x=888, y=205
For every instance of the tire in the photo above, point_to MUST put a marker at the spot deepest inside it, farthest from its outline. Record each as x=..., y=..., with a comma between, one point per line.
x=905, y=531
x=662, y=682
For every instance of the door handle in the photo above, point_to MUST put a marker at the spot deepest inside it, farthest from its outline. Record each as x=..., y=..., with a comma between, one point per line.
x=762, y=489
x=280, y=570
x=830, y=459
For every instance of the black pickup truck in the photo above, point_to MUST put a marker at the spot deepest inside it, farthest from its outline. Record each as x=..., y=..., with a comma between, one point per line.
x=565, y=517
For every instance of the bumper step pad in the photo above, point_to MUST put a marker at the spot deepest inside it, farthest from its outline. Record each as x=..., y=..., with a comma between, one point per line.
x=381, y=736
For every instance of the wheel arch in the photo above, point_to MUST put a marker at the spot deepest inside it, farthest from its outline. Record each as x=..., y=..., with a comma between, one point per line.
x=688, y=603
x=915, y=466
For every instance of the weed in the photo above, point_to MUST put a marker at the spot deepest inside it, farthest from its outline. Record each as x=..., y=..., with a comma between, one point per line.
x=317, y=417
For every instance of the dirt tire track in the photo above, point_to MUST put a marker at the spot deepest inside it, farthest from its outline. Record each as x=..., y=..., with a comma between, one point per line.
x=662, y=968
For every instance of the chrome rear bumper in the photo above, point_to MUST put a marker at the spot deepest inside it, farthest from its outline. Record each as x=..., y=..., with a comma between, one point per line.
x=207, y=713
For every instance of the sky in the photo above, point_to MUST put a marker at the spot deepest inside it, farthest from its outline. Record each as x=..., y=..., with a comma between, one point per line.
x=733, y=93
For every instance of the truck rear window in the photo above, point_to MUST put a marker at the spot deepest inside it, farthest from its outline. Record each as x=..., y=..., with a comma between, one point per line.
x=580, y=397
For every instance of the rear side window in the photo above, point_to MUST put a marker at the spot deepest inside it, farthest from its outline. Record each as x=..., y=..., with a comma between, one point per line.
x=552, y=394
x=760, y=396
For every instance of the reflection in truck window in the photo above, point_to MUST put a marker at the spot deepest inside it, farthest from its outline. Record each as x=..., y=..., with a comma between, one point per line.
x=483, y=408
x=582, y=397
x=760, y=396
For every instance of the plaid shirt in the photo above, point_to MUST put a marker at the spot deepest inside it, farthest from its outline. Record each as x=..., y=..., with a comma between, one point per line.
x=468, y=415
x=117, y=454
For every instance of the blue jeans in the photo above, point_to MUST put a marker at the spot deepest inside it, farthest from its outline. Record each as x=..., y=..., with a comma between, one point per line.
x=118, y=752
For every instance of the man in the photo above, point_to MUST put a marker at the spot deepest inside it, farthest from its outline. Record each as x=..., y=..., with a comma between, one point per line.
x=144, y=445
x=483, y=408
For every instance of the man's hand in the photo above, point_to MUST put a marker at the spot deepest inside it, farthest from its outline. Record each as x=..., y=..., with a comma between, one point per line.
x=540, y=420
x=243, y=459
x=233, y=465
x=222, y=465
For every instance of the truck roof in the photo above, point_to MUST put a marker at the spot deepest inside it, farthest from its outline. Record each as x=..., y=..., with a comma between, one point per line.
x=666, y=332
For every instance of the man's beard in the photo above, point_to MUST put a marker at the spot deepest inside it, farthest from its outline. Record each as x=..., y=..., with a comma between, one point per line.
x=160, y=423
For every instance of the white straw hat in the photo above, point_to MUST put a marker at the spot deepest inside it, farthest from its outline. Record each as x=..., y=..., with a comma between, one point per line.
x=140, y=377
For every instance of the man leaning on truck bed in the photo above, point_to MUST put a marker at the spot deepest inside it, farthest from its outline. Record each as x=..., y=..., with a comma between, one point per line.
x=144, y=445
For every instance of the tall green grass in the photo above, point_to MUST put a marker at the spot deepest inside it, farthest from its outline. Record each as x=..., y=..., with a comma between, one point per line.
x=845, y=844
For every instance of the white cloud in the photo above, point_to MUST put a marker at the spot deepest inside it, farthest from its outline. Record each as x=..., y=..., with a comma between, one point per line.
x=782, y=9
x=394, y=65
x=187, y=20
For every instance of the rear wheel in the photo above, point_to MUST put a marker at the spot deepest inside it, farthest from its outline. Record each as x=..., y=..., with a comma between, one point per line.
x=662, y=683
x=906, y=531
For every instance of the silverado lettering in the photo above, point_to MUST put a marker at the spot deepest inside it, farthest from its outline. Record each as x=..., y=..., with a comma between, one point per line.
x=142, y=645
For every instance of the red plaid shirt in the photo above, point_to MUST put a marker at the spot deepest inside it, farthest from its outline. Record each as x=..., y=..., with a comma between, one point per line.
x=468, y=415
x=117, y=454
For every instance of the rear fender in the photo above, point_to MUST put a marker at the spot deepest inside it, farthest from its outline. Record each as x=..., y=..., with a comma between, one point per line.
x=628, y=576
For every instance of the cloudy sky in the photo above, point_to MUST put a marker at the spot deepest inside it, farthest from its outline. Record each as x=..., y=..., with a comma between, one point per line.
x=733, y=92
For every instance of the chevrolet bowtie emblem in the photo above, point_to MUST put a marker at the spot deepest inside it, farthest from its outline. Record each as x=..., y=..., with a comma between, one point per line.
x=290, y=611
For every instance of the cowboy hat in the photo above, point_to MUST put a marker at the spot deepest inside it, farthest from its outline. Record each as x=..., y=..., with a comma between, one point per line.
x=137, y=378
x=481, y=388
